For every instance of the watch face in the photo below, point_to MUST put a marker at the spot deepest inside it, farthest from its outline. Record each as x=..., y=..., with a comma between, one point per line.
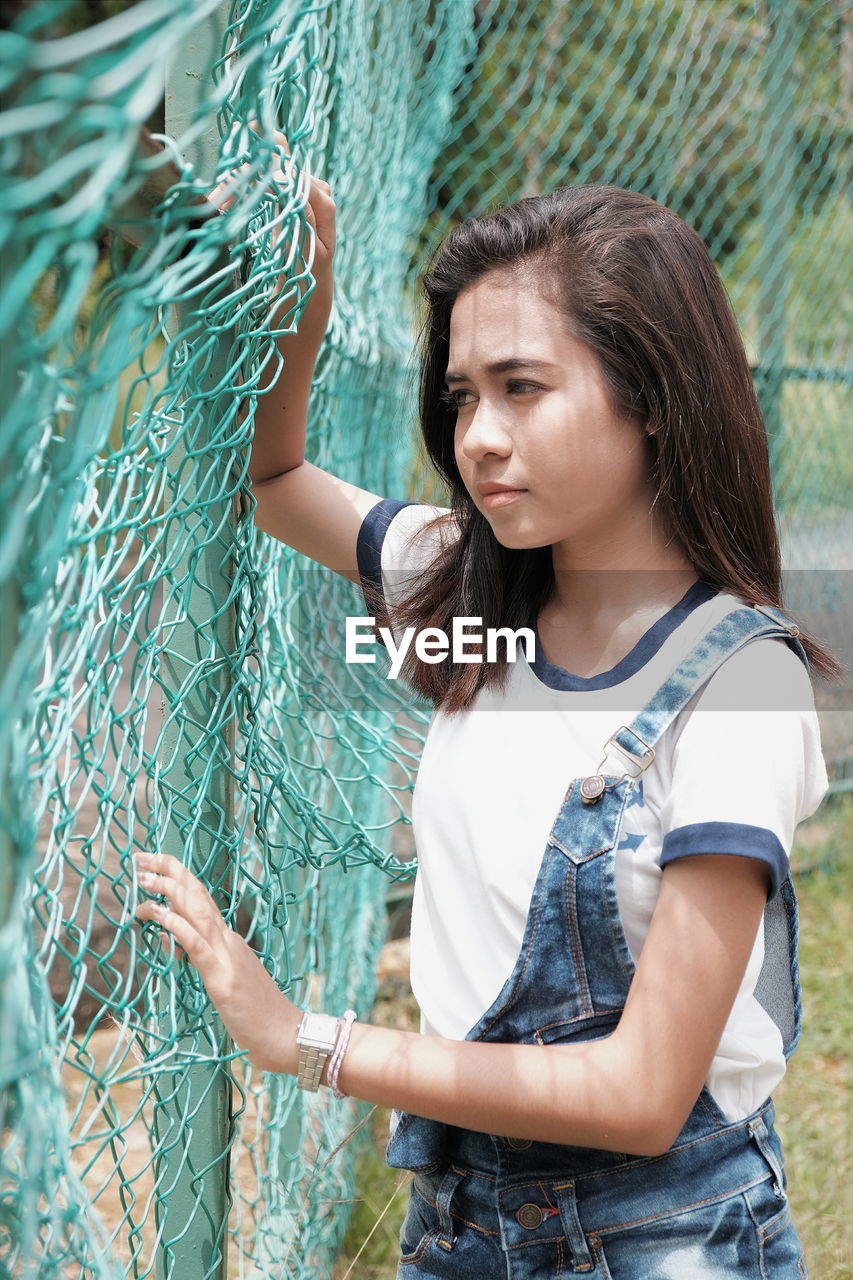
x=319, y=1030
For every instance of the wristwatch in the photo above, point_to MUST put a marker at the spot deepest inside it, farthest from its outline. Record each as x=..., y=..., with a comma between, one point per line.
x=316, y=1038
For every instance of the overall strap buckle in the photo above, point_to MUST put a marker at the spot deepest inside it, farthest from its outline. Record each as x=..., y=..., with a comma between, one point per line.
x=737, y=627
x=593, y=787
x=642, y=758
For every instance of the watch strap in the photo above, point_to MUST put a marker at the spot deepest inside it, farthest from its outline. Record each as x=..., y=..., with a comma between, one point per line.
x=316, y=1038
x=311, y=1063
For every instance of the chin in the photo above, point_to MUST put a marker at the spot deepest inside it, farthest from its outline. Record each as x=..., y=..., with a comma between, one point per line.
x=519, y=540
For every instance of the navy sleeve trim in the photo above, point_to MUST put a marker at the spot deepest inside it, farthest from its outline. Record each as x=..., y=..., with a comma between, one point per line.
x=371, y=535
x=738, y=838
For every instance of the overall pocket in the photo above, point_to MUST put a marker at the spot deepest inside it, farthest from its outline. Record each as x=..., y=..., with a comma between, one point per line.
x=429, y=1222
x=416, y=1144
x=419, y=1227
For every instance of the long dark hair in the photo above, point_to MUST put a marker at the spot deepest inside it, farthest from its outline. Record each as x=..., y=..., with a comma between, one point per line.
x=637, y=285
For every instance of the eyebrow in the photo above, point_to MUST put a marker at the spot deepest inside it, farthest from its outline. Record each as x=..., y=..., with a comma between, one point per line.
x=503, y=366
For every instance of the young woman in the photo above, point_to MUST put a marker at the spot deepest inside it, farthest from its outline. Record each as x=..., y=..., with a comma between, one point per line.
x=604, y=927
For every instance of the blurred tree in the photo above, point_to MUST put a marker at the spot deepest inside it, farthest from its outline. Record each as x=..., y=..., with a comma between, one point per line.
x=664, y=96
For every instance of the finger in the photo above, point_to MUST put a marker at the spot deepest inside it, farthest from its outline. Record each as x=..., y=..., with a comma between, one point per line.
x=198, y=950
x=184, y=889
x=225, y=193
x=206, y=925
x=165, y=874
x=279, y=138
x=190, y=901
x=166, y=864
x=321, y=192
x=219, y=201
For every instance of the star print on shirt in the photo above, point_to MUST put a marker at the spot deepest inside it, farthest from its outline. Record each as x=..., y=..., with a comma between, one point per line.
x=631, y=841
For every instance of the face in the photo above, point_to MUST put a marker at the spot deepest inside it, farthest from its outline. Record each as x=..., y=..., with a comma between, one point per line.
x=543, y=429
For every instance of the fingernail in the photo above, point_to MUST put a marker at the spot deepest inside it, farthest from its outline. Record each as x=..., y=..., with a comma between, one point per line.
x=145, y=878
x=142, y=859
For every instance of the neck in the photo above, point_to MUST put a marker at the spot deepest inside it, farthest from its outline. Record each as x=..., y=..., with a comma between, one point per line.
x=619, y=571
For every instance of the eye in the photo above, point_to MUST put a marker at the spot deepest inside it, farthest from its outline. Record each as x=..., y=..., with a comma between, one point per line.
x=450, y=401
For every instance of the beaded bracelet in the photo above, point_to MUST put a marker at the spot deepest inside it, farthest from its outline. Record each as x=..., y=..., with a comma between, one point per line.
x=338, y=1053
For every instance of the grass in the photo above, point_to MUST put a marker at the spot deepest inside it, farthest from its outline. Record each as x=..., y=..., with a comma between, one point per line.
x=812, y=1103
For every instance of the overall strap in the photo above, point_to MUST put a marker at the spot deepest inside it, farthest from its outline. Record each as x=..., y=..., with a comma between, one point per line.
x=739, y=627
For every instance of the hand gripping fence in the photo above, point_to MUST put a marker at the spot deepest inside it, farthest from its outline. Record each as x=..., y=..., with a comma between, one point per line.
x=168, y=677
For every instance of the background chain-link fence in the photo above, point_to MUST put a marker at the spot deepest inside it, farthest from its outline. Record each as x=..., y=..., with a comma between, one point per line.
x=168, y=678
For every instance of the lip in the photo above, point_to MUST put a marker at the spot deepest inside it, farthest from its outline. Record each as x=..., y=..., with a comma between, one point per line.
x=498, y=495
x=485, y=487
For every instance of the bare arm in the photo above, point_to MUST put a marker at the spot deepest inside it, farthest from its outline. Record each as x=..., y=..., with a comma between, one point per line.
x=631, y=1091
x=311, y=510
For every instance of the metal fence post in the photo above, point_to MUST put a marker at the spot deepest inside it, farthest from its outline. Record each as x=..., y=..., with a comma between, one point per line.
x=11, y=667
x=192, y=1115
x=777, y=204
x=8, y=848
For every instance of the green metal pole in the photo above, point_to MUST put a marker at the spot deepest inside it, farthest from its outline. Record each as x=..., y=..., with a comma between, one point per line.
x=777, y=196
x=10, y=610
x=9, y=613
x=192, y=1116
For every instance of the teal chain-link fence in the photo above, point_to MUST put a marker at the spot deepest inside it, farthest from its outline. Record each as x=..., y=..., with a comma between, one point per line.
x=168, y=678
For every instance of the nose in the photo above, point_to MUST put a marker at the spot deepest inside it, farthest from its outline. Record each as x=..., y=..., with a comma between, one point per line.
x=484, y=433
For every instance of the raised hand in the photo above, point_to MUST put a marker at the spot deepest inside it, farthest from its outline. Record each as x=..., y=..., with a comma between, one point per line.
x=320, y=212
x=259, y=1016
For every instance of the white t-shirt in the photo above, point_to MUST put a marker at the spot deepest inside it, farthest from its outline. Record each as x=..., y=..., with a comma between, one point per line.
x=735, y=772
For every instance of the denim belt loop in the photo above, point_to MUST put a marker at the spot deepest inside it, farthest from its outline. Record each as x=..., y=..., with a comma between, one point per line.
x=761, y=1137
x=443, y=1200
x=580, y=1259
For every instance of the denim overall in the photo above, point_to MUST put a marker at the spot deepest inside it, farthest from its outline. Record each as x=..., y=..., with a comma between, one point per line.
x=714, y=1207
